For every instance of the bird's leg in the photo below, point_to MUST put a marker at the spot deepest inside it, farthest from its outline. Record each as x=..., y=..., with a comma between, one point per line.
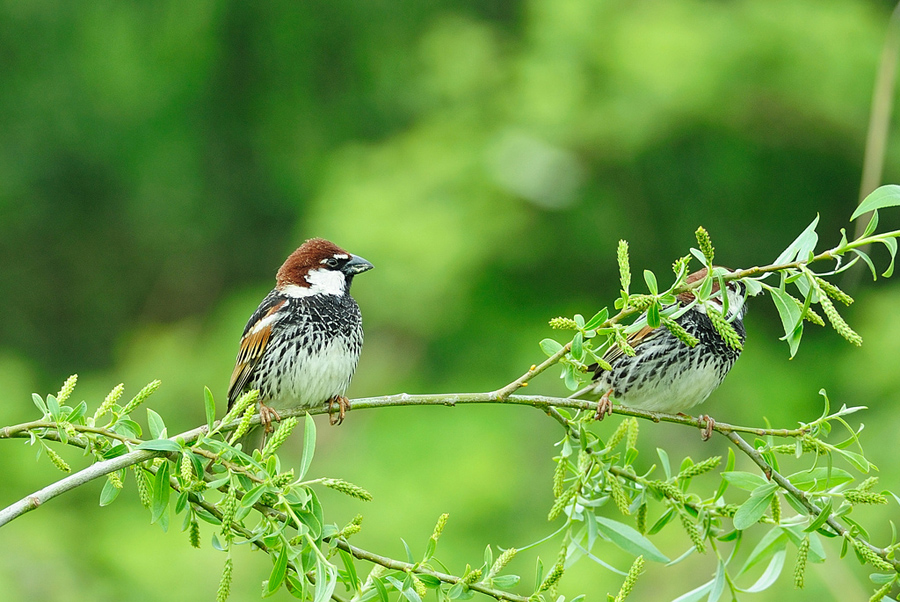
x=604, y=406
x=266, y=415
x=707, y=430
x=343, y=407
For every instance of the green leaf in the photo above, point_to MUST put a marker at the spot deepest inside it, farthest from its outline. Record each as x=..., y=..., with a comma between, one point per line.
x=629, y=539
x=53, y=407
x=718, y=585
x=163, y=445
x=599, y=318
x=858, y=460
x=774, y=540
x=549, y=346
x=695, y=595
x=109, y=493
x=820, y=519
x=801, y=245
x=745, y=480
x=891, y=244
x=749, y=513
x=156, y=424
x=578, y=346
x=653, y=316
x=39, y=402
x=773, y=570
x=883, y=196
x=820, y=477
x=276, y=577
x=309, y=445
x=868, y=262
x=161, y=492
x=664, y=459
x=210, y=405
x=505, y=581
x=650, y=279
x=790, y=317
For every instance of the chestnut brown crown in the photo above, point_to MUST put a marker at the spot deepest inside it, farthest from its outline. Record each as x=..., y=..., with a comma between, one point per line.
x=318, y=254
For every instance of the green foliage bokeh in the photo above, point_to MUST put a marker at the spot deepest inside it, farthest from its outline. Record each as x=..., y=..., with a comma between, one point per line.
x=158, y=161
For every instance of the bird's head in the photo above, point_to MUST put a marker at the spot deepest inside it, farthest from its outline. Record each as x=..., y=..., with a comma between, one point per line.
x=319, y=266
x=735, y=291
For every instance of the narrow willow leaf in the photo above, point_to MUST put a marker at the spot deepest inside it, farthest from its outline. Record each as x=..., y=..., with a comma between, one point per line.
x=650, y=279
x=156, y=424
x=820, y=520
x=744, y=480
x=109, y=493
x=309, y=445
x=629, y=539
x=790, y=316
x=210, y=405
x=599, y=318
x=800, y=243
x=161, y=492
x=773, y=570
x=163, y=445
x=868, y=262
x=883, y=196
x=279, y=570
x=891, y=244
x=753, y=509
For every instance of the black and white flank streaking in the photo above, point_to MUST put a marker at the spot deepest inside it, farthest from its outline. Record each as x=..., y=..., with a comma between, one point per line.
x=301, y=345
x=665, y=374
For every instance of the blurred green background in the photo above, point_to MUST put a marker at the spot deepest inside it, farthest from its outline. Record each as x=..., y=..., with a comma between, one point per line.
x=159, y=160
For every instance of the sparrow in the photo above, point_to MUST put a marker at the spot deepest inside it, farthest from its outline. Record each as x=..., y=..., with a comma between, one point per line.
x=301, y=346
x=665, y=374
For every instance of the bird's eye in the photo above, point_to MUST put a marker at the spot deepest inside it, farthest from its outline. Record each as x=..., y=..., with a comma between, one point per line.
x=331, y=262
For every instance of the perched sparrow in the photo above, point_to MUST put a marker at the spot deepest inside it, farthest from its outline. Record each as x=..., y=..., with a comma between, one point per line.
x=665, y=375
x=301, y=345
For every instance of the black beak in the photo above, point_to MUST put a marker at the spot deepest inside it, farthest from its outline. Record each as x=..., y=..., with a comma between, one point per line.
x=356, y=265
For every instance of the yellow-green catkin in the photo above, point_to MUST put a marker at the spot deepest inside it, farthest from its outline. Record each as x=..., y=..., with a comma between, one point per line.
x=555, y=574
x=439, y=527
x=724, y=328
x=855, y=496
x=141, y=397
x=471, y=575
x=280, y=436
x=618, y=434
x=561, y=502
x=624, y=265
x=244, y=425
x=194, y=533
x=800, y=567
x=353, y=527
x=243, y=402
x=561, y=323
x=57, y=460
x=834, y=292
x=559, y=476
x=111, y=399
x=693, y=532
x=623, y=344
x=637, y=567
x=700, y=468
x=810, y=443
x=618, y=494
x=681, y=264
x=187, y=468
x=670, y=490
x=632, y=435
x=115, y=479
x=641, y=519
x=501, y=562
x=872, y=557
x=810, y=315
x=143, y=486
x=348, y=489
x=228, y=506
x=67, y=389
x=837, y=321
x=705, y=244
x=641, y=302
x=776, y=509
x=881, y=592
x=679, y=332
x=418, y=586
x=585, y=462
x=225, y=583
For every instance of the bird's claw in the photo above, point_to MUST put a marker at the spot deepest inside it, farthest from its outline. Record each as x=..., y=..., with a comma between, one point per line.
x=604, y=406
x=707, y=424
x=343, y=407
x=266, y=416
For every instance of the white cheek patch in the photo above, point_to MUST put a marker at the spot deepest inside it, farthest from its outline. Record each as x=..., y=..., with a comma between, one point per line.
x=321, y=282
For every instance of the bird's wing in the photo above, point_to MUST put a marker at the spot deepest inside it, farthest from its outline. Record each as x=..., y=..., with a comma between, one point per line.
x=634, y=339
x=253, y=344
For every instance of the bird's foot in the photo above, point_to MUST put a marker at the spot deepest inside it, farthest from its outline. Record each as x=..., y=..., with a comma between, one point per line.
x=604, y=406
x=266, y=416
x=343, y=407
x=707, y=430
